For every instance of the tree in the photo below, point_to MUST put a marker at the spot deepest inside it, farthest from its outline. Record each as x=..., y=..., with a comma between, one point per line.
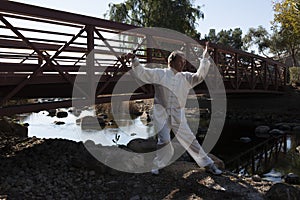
x=229, y=37
x=179, y=15
x=212, y=37
x=260, y=37
x=287, y=24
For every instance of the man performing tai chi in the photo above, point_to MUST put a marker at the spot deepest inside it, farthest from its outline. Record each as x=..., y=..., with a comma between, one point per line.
x=172, y=87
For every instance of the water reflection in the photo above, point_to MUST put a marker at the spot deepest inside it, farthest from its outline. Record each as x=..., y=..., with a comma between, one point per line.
x=44, y=126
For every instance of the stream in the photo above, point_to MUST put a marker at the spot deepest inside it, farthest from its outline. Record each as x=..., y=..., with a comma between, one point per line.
x=42, y=125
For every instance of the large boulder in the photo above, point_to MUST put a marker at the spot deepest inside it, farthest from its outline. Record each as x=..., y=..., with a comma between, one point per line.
x=276, y=132
x=262, y=131
x=142, y=145
x=291, y=178
x=284, y=126
x=149, y=145
x=281, y=191
x=19, y=130
x=13, y=129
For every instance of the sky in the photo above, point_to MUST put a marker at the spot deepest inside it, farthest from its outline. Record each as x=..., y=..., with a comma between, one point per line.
x=218, y=14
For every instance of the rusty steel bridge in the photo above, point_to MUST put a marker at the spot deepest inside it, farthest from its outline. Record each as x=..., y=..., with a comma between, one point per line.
x=44, y=51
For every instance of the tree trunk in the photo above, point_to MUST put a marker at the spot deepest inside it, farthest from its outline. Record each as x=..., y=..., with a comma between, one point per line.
x=294, y=58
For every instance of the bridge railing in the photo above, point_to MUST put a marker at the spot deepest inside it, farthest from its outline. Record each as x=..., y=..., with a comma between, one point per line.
x=43, y=51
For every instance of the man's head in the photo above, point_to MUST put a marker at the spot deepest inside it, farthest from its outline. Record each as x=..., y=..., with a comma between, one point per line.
x=176, y=60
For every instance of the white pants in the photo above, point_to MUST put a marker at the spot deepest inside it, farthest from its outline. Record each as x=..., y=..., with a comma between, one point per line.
x=186, y=138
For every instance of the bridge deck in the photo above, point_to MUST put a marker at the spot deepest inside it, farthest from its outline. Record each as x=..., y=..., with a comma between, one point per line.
x=43, y=52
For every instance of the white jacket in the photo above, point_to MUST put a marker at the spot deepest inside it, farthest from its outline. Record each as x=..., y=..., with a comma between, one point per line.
x=171, y=89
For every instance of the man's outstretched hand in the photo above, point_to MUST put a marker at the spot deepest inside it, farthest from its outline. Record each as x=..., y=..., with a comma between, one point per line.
x=128, y=57
x=205, y=53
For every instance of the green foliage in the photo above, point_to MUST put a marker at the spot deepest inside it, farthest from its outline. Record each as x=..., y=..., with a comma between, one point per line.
x=287, y=24
x=179, y=15
x=229, y=37
x=259, y=37
x=294, y=74
x=289, y=163
x=287, y=16
x=284, y=41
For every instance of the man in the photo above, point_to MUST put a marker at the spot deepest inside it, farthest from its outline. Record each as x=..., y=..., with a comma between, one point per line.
x=171, y=91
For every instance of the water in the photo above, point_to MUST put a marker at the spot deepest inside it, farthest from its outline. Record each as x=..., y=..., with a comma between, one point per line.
x=42, y=125
x=273, y=176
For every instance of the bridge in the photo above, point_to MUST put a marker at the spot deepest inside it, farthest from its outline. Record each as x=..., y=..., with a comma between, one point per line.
x=43, y=52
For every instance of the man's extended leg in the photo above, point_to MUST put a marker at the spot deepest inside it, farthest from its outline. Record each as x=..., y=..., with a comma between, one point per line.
x=164, y=150
x=187, y=139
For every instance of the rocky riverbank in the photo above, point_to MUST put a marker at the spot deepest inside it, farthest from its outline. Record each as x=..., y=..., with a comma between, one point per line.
x=35, y=168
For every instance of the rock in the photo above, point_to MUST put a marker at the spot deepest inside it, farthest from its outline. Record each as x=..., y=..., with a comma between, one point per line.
x=52, y=112
x=19, y=130
x=220, y=164
x=296, y=129
x=142, y=145
x=149, y=119
x=78, y=121
x=280, y=191
x=61, y=114
x=245, y=139
x=91, y=122
x=89, y=143
x=87, y=161
x=92, y=173
x=258, y=118
x=103, y=116
x=59, y=123
x=76, y=112
x=276, y=132
x=291, y=178
x=149, y=189
x=298, y=149
x=118, y=159
x=284, y=127
x=256, y=178
x=136, y=197
x=262, y=131
x=5, y=126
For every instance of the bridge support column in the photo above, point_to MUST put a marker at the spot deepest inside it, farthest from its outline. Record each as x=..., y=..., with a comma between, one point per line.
x=90, y=64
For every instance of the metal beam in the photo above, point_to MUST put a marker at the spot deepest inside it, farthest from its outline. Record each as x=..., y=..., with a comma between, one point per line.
x=51, y=14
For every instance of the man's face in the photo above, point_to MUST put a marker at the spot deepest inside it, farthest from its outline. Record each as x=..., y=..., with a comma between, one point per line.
x=179, y=63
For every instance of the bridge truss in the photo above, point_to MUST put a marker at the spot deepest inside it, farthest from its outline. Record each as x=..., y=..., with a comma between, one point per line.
x=43, y=52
